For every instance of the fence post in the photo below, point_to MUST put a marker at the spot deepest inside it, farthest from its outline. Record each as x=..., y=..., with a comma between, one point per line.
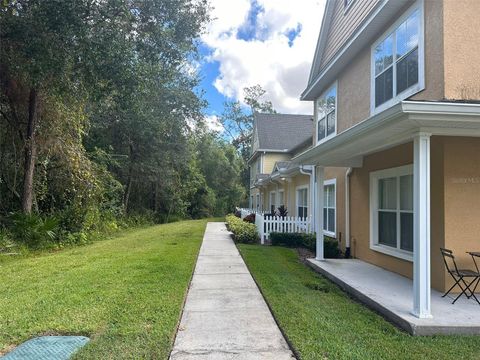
x=259, y=223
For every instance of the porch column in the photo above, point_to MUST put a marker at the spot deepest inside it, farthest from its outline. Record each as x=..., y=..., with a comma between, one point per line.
x=421, y=226
x=312, y=198
x=319, y=211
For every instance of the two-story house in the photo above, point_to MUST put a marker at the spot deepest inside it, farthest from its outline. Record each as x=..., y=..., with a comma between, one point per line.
x=395, y=88
x=274, y=179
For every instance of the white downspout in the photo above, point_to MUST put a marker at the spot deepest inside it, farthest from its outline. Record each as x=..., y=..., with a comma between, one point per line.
x=347, y=212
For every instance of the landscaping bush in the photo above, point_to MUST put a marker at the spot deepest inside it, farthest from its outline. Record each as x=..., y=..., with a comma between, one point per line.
x=33, y=230
x=307, y=241
x=243, y=232
x=250, y=218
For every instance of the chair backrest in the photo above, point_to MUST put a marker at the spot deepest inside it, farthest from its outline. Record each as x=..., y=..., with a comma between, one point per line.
x=449, y=260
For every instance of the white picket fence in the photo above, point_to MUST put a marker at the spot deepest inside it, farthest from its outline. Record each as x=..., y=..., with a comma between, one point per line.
x=287, y=224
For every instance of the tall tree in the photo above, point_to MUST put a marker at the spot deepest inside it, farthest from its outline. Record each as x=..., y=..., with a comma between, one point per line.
x=108, y=53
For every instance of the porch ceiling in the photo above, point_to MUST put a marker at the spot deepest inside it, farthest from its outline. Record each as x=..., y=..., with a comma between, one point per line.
x=392, y=127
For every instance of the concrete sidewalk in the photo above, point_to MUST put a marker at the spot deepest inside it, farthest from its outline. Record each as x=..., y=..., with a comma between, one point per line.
x=225, y=316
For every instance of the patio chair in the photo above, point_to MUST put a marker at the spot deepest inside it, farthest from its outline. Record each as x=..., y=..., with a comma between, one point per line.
x=459, y=276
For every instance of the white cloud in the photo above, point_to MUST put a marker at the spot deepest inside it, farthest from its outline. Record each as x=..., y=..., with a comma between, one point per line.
x=213, y=123
x=267, y=59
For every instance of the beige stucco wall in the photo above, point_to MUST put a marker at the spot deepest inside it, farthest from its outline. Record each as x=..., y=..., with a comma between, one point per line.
x=354, y=80
x=434, y=62
x=462, y=50
x=360, y=210
x=462, y=198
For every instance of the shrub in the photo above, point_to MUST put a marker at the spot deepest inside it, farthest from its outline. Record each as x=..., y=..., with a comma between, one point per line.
x=238, y=213
x=33, y=230
x=282, y=211
x=307, y=241
x=250, y=218
x=243, y=232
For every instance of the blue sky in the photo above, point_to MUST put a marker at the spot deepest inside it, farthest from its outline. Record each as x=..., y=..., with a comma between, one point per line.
x=265, y=42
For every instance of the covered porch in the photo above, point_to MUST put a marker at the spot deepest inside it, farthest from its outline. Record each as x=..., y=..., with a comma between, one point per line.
x=391, y=295
x=408, y=122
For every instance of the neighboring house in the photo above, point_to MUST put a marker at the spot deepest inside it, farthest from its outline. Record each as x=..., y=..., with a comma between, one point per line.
x=395, y=87
x=274, y=180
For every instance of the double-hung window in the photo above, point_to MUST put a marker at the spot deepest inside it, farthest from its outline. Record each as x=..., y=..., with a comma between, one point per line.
x=326, y=114
x=329, y=207
x=302, y=202
x=391, y=204
x=272, y=201
x=281, y=198
x=397, y=61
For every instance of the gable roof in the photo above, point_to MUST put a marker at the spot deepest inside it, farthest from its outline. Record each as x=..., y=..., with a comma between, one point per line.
x=282, y=132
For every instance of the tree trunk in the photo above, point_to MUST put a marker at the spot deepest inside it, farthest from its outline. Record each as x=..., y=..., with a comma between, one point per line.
x=30, y=153
x=128, y=189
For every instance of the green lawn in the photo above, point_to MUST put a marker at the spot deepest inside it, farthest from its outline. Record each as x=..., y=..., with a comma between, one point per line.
x=323, y=323
x=125, y=293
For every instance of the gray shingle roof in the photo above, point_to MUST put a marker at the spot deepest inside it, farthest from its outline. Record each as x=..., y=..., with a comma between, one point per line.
x=283, y=131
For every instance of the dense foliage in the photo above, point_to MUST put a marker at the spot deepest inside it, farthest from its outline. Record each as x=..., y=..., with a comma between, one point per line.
x=100, y=120
x=307, y=241
x=243, y=232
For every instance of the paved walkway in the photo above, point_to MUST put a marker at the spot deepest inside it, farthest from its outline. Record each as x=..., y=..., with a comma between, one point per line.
x=225, y=316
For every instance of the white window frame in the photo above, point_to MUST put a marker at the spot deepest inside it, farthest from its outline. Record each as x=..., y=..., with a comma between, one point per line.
x=418, y=5
x=297, y=197
x=274, y=193
x=318, y=142
x=326, y=232
x=374, y=179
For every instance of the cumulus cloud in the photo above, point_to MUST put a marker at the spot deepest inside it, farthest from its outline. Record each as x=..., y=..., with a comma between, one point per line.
x=266, y=42
x=213, y=123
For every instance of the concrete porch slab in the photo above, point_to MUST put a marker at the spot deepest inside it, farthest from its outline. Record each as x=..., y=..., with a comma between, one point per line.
x=391, y=295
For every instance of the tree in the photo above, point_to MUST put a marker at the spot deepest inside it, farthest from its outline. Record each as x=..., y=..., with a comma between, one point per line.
x=238, y=123
x=113, y=55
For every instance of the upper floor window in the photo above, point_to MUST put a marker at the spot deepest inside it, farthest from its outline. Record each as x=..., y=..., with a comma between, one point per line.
x=397, y=62
x=259, y=164
x=326, y=114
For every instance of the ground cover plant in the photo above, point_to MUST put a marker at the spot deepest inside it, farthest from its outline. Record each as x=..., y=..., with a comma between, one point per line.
x=322, y=322
x=126, y=293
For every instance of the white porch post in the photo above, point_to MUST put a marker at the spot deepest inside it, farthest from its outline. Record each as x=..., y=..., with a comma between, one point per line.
x=312, y=198
x=319, y=211
x=421, y=226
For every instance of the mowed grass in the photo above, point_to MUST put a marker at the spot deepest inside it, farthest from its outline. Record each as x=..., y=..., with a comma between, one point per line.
x=322, y=322
x=125, y=293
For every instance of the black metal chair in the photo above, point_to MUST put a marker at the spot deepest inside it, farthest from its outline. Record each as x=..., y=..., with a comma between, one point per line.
x=459, y=276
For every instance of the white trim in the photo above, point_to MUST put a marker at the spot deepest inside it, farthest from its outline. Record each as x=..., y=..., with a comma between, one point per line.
x=334, y=183
x=301, y=187
x=328, y=137
x=421, y=60
x=375, y=176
